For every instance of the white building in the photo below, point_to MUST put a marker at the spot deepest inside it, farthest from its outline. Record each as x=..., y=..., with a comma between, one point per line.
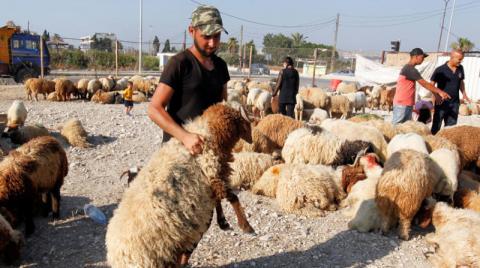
x=163, y=59
x=86, y=41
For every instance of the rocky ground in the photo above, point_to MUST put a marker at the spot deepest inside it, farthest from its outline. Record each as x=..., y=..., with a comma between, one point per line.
x=121, y=142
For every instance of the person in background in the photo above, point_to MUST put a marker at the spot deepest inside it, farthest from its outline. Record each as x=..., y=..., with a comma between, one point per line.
x=404, y=98
x=128, y=98
x=424, y=111
x=192, y=81
x=450, y=78
x=287, y=83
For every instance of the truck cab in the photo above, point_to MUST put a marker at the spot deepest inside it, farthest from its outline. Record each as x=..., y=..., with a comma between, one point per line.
x=20, y=54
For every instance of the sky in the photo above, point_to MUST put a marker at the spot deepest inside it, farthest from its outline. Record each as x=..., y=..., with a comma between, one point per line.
x=365, y=25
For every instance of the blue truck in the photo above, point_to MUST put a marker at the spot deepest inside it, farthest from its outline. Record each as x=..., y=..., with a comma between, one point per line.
x=20, y=54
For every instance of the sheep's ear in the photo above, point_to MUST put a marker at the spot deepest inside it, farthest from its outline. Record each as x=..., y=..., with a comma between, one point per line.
x=244, y=114
x=359, y=155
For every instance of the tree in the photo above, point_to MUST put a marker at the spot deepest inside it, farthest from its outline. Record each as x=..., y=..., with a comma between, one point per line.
x=232, y=45
x=166, y=47
x=277, y=46
x=298, y=39
x=156, y=45
x=46, y=35
x=104, y=44
x=464, y=44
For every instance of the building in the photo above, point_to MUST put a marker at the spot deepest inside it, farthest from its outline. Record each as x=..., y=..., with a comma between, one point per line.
x=163, y=58
x=86, y=41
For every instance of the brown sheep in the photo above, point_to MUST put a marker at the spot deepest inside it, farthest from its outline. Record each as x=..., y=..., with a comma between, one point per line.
x=467, y=140
x=24, y=134
x=386, y=98
x=407, y=179
x=37, y=167
x=64, y=88
x=11, y=241
x=104, y=97
x=35, y=86
x=75, y=134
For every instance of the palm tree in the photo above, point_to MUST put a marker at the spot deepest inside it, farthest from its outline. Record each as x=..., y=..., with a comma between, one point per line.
x=298, y=39
x=464, y=44
x=232, y=45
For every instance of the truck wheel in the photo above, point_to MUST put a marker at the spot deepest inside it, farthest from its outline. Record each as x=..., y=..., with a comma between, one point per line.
x=25, y=74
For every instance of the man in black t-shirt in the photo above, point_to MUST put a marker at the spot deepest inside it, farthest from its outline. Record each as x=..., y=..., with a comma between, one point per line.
x=449, y=77
x=192, y=81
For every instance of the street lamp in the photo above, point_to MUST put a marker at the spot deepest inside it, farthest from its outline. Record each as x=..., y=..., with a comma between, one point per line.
x=140, y=42
x=450, y=26
x=443, y=21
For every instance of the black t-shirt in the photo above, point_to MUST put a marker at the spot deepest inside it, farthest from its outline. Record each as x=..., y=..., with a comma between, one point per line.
x=289, y=87
x=195, y=87
x=449, y=81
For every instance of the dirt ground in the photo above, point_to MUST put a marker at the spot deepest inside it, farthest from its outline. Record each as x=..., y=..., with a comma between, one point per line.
x=121, y=142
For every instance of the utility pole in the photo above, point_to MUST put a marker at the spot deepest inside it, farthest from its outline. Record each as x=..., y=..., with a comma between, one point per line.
x=140, y=41
x=116, y=58
x=244, y=55
x=332, y=59
x=443, y=22
x=250, y=62
x=315, y=55
x=450, y=25
x=240, y=58
x=41, y=57
x=184, y=44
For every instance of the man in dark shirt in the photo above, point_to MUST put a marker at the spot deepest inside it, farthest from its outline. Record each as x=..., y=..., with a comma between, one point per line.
x=449, y=77
x=192, y=81
x=287, y=83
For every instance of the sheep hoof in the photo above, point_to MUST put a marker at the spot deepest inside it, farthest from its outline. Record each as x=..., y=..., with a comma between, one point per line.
x=247, y=229
x=404, y=237
x=223, y=224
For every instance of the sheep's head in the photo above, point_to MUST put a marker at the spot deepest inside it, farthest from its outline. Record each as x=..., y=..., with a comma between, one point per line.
x=349, y=151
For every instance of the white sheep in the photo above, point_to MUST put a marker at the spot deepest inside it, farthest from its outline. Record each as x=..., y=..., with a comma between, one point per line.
x=406, y=141
x=342, y=105
x=449, y=162
x=252, y=96
x=263, y=103
x=267, y=184
x=298, y=110
x=16, y=115
x=315, y=98
x=358, y=100
x=93, y=86
x=314, y=145
x=317, y=116
x=345, y=87
x=247, y=168
x=457, y=237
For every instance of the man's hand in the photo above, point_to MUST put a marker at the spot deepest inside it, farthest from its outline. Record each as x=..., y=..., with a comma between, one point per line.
x=466, y=99
x=193, y=142
x=444, y=95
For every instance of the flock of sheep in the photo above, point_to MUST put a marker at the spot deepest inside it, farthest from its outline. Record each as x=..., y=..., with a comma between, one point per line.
x=380, y=175
x=105, y=90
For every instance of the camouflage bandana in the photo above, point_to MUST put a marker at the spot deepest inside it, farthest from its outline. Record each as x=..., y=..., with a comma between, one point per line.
x=208, y=20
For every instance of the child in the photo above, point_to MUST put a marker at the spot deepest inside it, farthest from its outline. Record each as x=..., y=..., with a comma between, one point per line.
x=424, y=110
x=128, y=97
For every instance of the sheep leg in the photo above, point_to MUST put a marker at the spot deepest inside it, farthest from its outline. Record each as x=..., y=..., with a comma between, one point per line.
x=222, y=222
x=45, y=204
x=55, y=195
x=241, y=217
x=27, y=207
x=404, y=227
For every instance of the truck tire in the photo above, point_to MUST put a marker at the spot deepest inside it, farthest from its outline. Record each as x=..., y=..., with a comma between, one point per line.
x=25, y=74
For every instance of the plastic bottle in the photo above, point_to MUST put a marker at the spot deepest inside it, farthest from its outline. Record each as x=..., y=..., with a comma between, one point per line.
x=95, y=214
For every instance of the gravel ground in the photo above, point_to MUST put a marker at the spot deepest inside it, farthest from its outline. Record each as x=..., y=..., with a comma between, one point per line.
x=121, y=142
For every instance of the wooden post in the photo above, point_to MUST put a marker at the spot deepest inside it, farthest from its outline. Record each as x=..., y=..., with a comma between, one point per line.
x=315, y=55
x=250, y=62
x=116, y=58
x=41, y=57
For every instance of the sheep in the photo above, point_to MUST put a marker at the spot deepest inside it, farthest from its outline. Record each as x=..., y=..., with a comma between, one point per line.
x=262, y=103
x=407, y=179
x=386, y=98
x=37, y=167
x=340, y=104
x=121, y=84
x=463, y=110
x=37, y=86
x=267, y=86
x=466, y=139
x=75, y=134
x=309, y=190
x=11, y=241
x=24, y=134
x=358, y=100
x=468, y=180
x=467, y=199
x=234, y=95
x=345, y=87
x=359, y=118
x=107, y=83
x=374, y=96
x=314, y=145
x=406, y=141
x=52, y=97
x=449, y=163
x=82, y=87
x=412, y=126
x=247, y=168
x=252, y=97
x=317, y=116
x=169, y=205
x=315, y=98
x=139, y=97
x=267, y=184
x=104, y=97
x=352, y=132
x=298, y=110
x=16, y=115
x=270, y=133
x=456, y=239
x=93, y=86
x=64, y=88
x=436, y=142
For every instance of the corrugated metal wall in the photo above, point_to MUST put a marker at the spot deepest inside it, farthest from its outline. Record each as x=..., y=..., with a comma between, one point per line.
x=471, y=67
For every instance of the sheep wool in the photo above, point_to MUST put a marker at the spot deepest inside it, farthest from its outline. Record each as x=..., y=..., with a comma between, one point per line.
x=11, y=241
x=271, y=132
x=247, y=168
x=16, y=115
x=413, y=127
x=268, y=182
x=449, y=162
x=75, y=134
x=26, y=133
x=466, y=139
x=411, y=141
